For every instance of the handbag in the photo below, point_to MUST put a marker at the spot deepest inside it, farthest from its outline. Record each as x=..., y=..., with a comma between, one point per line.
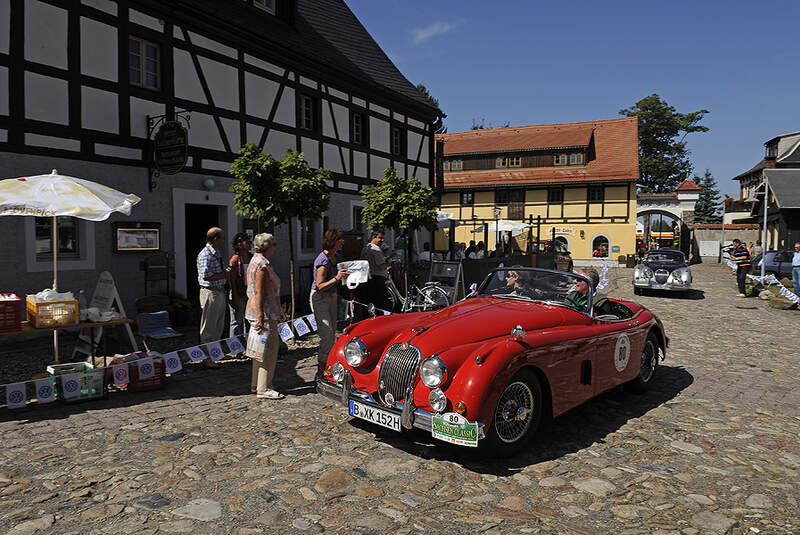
x=256, y=344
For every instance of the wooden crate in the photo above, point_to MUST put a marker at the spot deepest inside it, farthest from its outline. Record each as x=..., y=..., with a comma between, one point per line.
x=44, y=314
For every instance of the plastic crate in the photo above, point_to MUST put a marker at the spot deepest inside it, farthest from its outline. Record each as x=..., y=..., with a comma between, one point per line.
x=93, y=384
x=156, y=382
x=10, y=313
x=44, y=314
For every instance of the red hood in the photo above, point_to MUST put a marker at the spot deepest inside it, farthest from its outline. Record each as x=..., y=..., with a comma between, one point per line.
x=477, y=319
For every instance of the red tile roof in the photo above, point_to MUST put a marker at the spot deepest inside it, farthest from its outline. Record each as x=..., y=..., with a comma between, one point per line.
x=689, y=185
x=615, y=141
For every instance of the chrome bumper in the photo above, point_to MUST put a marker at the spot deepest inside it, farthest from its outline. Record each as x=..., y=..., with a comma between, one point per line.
x=410, y=416
x=665, y=286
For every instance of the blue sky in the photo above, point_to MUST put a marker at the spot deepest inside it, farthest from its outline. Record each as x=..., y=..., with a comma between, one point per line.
x=534, y=62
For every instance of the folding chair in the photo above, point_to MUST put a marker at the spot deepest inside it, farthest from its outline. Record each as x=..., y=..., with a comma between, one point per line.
x=155, y=325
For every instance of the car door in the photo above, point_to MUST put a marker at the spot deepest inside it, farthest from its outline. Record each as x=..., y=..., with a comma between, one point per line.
x=783, y=264
x=619, y=348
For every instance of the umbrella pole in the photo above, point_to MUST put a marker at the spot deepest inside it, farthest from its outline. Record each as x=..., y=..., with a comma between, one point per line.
x=55, y=280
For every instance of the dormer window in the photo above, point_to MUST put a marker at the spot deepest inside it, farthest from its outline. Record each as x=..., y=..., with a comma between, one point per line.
x=266, y=5
x=772, y=150
x=576, y=158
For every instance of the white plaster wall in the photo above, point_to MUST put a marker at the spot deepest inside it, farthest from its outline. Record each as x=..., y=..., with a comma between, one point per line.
x=422, y=175
x=414, y=122
x=414, y=140
x=145, y=20
x=46, y=98
x=331, y=159
x=285, y=114
x=140, y=109
x=223, y=82
x=261, y=64
x=278, y=143
x=232, y=133
x=5, y=25
x=187, y=84
x=204, y=132
x=35, y=140
x=259, y=95
x=48, y=47
x=98, y=49
x=336, y=93
x=254, y=132
x=398, y=117
x=401, y=169
x=327, y=121
x=3, y=90
x=308, y=82
x=3, y=135
x=99, y=110
x=379, y=109
x=379, y=134
x=310, y=148
x=377, y=165
x=342, y=117
x=103, y=5
x=117, y=152
x=359, y=102
x=359, y=164
x=423, y=157
x=210, y=44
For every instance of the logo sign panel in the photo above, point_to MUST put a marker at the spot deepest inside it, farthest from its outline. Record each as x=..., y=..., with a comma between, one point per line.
x=171, y=148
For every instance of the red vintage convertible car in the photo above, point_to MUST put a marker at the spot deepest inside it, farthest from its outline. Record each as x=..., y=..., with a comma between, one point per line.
x=527, y=344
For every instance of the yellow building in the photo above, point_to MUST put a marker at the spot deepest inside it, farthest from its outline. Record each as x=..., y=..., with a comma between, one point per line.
x=576, y=178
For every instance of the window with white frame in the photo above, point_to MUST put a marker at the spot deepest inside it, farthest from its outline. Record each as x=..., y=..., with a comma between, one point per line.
x=69, y=246
x=144, y=63
x=266, y=5
x=307, y=113
x=308, y=235
x=576, y=158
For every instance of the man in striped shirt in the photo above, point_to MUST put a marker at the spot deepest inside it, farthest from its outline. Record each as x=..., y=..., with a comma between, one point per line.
x=212, y=274
x=741, y=256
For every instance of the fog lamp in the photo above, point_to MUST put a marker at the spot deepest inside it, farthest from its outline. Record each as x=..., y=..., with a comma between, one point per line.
x=338, y=372
x=437, y=400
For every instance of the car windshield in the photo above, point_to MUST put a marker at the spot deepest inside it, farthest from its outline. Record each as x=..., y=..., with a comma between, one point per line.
x=665, y=257
x=530, y=284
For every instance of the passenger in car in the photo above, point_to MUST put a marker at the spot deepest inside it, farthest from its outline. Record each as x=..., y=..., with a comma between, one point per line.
x=579, y=296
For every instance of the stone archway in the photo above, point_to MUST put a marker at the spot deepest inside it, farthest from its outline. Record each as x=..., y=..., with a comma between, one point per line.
x=664, y=228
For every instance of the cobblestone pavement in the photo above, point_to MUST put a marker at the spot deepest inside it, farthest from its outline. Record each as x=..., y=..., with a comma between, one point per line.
x=712, y=448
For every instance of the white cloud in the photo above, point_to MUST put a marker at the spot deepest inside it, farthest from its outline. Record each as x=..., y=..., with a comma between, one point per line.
x=420, y=35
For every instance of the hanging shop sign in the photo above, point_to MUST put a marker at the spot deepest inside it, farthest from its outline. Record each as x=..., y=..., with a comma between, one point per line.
x=171, y=148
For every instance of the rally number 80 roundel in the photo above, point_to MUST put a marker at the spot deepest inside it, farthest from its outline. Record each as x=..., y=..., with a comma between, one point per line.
x=622, y=353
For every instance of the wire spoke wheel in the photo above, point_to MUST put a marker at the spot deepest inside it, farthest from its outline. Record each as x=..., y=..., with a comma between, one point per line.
x=649, y=361
x=514, y=412
x=433, y=298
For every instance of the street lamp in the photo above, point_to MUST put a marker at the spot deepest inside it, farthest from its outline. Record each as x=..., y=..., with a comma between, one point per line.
x=496, y=230
x=765, y=206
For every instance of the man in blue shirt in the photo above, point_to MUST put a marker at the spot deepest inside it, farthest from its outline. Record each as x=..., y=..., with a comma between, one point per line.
x=212, y=276
x=796, y=269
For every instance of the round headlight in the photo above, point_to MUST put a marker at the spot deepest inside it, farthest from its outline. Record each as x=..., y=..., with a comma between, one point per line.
x=432, y=371
x=338, y=372
x=355, y=352
x=437, y=400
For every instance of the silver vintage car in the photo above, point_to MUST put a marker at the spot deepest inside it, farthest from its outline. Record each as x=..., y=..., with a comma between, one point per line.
x=662, y=269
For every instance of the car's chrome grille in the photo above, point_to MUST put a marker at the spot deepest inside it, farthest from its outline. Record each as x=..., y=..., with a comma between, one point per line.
x=398, y=369
x=661, y=276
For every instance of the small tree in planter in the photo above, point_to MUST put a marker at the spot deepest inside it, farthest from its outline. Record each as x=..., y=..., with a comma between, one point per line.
x=400, y=203
x=278, y=191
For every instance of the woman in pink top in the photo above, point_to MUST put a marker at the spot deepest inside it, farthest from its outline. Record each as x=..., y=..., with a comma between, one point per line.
x=263, y=311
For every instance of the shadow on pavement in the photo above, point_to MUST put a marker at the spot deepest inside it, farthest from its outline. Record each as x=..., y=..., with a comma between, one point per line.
x=572, y=432
x=692, y=295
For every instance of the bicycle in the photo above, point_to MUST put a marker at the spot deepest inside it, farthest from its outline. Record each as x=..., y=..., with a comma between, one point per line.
x=430, y=297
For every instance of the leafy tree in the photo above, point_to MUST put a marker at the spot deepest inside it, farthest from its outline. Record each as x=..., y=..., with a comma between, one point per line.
x=663, y=156
x=399, y=203
x=278, y=191
x=438, y=124
x=706, y=209
x=483, y=125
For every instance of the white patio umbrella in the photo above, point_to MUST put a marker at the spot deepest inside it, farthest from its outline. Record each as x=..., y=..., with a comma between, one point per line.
x=56, y=195
x=503, y=225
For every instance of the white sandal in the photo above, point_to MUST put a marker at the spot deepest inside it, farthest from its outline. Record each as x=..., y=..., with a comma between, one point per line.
x=269, y=394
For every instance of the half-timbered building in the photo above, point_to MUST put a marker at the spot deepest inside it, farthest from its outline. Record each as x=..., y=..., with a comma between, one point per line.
x=85, y=86
x=574, y=180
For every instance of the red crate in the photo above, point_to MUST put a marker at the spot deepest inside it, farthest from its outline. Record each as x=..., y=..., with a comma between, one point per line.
x=156, y=382
x=10, y=313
